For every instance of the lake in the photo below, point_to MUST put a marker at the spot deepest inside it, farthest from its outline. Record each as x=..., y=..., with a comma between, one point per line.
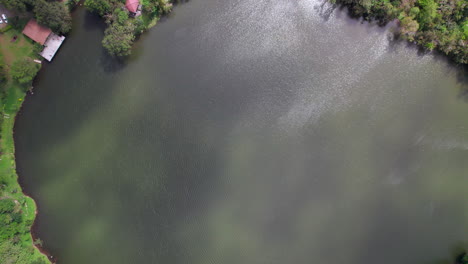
x=244, y=131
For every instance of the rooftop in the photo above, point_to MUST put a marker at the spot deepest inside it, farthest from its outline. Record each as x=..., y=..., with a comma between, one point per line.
x=51, y=46
x=132, y=5
x=36, y=32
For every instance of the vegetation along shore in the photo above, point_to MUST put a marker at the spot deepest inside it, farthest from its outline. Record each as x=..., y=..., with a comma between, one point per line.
x=126, y=19
x=19, y=64
x=433, y=24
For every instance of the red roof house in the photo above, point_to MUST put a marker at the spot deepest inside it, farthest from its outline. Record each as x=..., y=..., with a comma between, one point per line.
x=132, y=5
x=36, y=32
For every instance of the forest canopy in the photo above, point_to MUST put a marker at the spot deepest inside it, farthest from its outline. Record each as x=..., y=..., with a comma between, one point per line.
x=53, y=14
x=123, y=26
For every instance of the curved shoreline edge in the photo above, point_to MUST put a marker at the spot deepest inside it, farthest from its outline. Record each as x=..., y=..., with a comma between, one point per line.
x=430, y=24
x=22, y=246
x=39, y=248
x=30, y=201
x=28, y=204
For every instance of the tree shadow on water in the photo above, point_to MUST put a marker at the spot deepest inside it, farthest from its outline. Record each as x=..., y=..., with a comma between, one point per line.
x=109, y=63
x=112, y=64
x=177, y=2
x=138, y=47
x=459, y=70
x=457, y=251
x=462, y=78
x=92, y=21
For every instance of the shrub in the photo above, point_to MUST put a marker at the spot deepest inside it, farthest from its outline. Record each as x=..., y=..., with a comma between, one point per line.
x=5, y=29
x=18, y=23
x=24, y=70
x=7, y=206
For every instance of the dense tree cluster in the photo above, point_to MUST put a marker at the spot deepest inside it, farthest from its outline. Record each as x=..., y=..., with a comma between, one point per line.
x=18, y=5
x=13, y=253
x=118, y=38
x=24, y=70
x=12, y=226
x=10, y=219
x=53, y=14
x=433, y=24
x=122, y=26
x=156, y=6
x=102, y=7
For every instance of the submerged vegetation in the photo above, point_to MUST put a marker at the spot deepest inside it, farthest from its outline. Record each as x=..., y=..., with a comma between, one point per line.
x=122, y=25
x=433, y=24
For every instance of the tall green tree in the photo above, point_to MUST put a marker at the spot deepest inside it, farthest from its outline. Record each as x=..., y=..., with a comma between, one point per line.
x=101, y=7
x=433, y=24
x=18, y=5
x=428, y=12
x=409, y=27
x=24, y=70
x=16, y=253
x=119, y=38
x=55, y=15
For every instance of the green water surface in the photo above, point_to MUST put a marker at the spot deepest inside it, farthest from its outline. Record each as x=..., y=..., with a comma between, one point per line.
x=245, y=131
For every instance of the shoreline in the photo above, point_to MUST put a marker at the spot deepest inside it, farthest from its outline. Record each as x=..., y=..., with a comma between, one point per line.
x=33, y=230
x=29, y=203
x=419, y=23
x=16, y=94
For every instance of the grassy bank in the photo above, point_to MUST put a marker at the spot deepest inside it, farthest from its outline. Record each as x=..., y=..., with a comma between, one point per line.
x=17, y=211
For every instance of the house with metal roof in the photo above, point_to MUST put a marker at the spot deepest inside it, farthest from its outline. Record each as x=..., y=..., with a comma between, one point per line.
x=36, y=32
x=45, y=37
x=134, y=7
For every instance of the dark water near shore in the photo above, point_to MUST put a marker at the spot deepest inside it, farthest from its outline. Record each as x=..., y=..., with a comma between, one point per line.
x=247, y=131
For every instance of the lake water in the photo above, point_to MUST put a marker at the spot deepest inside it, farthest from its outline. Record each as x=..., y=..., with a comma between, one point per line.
x=245, y=131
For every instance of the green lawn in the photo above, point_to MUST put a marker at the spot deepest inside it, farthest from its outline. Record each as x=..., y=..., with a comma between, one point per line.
x=22, y=47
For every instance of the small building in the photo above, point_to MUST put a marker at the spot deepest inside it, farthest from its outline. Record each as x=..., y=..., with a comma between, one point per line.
x=134, y=7
x=51, y=46
x=45, y=37
x=36, y=32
